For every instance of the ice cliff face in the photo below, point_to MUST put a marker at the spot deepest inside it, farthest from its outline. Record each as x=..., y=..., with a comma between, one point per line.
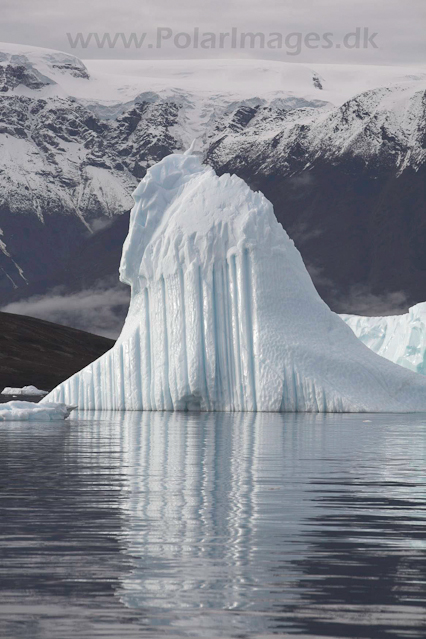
x=224, y=316
x=399, y=338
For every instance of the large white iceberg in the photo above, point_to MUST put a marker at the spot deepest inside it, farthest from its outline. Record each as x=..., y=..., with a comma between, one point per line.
x=399, y=338
x=224, y=315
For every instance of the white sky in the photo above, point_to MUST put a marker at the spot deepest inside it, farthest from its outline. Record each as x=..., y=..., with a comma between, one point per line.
x=400, y=24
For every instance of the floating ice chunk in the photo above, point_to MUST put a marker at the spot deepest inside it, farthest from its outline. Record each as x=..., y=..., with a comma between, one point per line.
x=224, y=316
x=399, y=338
x=28, y=411
x=25, y=390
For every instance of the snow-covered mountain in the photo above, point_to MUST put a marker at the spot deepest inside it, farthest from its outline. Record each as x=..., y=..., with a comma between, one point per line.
x=339, y=150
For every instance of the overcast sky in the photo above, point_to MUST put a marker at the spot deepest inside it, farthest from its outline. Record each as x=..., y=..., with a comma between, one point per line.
x=400, y=26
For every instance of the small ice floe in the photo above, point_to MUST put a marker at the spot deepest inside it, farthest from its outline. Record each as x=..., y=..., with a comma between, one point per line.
x=25, y=390
x=366, y=421
x=28, y=411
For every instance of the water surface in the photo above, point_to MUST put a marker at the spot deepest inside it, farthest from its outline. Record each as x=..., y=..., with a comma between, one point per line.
x=213, y=525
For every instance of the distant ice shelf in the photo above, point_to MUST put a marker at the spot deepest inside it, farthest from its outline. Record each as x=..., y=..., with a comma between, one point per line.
x=398, y=338
x=224, y=316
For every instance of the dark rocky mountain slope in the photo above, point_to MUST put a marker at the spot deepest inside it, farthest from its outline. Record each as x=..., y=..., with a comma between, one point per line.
x=43, y=354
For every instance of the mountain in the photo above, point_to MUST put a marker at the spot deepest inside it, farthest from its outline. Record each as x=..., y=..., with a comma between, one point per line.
x=43, y=354
x=348, y=184
x=338, y=150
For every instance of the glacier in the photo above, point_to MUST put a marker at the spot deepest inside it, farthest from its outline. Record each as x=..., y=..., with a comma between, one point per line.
x=224, y=315
x=398, y=338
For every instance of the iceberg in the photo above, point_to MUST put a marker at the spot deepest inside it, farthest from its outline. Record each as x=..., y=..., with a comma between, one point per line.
x=25, y=390
x=398, y=338
x=224, y=316
x=28, y=411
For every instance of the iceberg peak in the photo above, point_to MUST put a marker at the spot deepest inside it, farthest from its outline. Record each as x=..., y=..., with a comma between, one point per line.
x=185, y=215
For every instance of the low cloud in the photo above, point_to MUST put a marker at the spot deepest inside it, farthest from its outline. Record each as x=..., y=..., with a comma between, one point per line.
x=302, y=180
x=301, y=233
x=361, y=301
x=98, y=310
x=319, y=279
x=101, y=223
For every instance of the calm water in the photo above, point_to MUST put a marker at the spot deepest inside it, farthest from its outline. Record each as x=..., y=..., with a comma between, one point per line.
x=171, y=525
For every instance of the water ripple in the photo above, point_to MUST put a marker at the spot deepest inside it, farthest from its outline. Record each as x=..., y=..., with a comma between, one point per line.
x=213, y=525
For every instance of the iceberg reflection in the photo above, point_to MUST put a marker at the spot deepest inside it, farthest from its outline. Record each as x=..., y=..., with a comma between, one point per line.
x=208, y=513
x=243, y=523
